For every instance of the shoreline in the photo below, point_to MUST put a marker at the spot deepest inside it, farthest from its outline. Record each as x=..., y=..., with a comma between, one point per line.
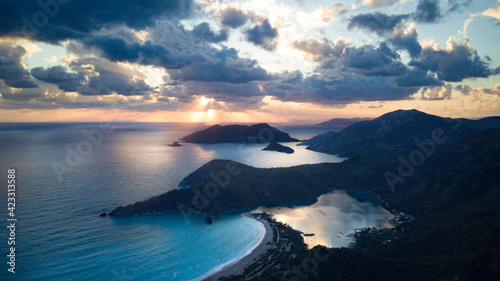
x=240, y=264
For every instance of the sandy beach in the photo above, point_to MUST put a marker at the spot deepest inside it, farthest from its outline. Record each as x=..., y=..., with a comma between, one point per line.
x=243, y=262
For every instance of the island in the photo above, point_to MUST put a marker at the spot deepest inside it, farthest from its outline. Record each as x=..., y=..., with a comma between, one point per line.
x=175, y=144
x=258, y=133
x=274, y=146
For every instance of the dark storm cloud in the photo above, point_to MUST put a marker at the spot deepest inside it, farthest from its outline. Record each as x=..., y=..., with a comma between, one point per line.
x=66, y=81
x=56, y=20
x=367, y=57
x=108, y=82
x=203, y=32
x=417, y=78
x=367, y=60
x=23, y=83
x=377, y=22
x=428, y=11
x=233, y=17
x=172, y=35
x=263, y=35
x=407, y=41
x=455, y=63
x=395, y=68
x=116, y=48
x=226, y=66
x=11, y=69
x=23, y=95
x=341, y=89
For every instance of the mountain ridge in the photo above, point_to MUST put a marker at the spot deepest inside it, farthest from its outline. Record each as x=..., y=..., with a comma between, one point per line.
x=390, y=132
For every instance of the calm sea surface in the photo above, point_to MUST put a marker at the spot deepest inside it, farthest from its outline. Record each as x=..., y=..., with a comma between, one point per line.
x=64, y=181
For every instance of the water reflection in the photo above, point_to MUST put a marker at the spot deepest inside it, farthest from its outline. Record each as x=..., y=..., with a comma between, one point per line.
x=332, y=218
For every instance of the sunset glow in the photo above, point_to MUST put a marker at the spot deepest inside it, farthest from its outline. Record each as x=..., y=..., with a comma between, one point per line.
x=256, y=60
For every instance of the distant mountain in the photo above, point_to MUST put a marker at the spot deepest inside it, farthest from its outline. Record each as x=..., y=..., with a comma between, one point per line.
x=273, y=146
x=450, y=174
x=342, y=122
x=390, y=132
x=258, y=133
x=482, y=124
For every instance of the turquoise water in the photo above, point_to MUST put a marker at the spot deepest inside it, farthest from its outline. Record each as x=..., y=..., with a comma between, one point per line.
x=59, y=235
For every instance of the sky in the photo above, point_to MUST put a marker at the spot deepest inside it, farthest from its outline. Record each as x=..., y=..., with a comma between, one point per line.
x=246, y=61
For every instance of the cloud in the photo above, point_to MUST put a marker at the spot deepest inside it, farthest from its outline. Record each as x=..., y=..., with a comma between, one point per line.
x=106, y=78
x=407, y=40
x=233, y=17
x=31, y=49
x=11, y=68
x=321, y=16
x=203, y=32
x=52, y=59
x=263, y=35
x=226, y=66
x=21, y=95
x=456, y=5
x=166, y=31
x=66, y=81
x=324, y=48
x=366, y=60
x=437, y=92
x=468, y=90
x=428, y=11
x=342, y=88
x=116, y=48
x=52, y=21
x=493, y=12
x=455, y=63
x=417, y=78
x=377, y=22
x=379, y=2
x=368, y=57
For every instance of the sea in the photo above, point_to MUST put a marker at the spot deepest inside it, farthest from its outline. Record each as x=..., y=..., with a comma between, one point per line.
x=66, y=174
